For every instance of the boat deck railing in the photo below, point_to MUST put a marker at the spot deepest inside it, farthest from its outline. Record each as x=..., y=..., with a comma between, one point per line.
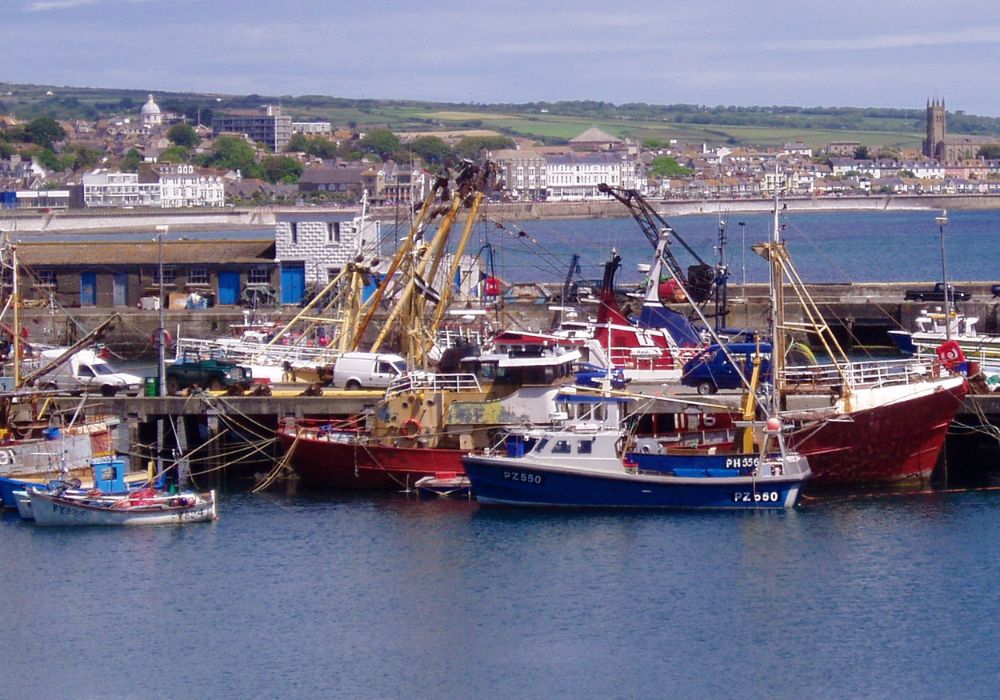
x=858, y=374
x=256, y=353
x=430, y=381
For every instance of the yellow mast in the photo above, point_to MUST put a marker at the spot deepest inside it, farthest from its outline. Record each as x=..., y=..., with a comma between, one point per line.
x=16, y=301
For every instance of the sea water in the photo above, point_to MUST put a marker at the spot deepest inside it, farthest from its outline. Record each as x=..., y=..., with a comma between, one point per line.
x=830, y=246
x=858, y=246
x=384, y=596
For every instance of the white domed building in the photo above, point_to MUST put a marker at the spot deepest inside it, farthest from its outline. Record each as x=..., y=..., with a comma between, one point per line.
x=151, y=115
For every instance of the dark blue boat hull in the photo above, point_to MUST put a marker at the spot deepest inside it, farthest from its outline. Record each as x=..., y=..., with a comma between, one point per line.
x=9, y=485
x=534, y=485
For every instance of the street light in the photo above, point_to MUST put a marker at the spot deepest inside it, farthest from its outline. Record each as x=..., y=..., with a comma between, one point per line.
x=942, y=221
x=743, y=254
x=161, y=368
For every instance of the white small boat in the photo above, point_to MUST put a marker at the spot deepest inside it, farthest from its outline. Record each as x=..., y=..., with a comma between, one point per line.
x=137, y=508
x=23, y=501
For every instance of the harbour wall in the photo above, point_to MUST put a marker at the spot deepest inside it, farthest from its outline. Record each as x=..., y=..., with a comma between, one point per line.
x=265, y=217
x=860, y=313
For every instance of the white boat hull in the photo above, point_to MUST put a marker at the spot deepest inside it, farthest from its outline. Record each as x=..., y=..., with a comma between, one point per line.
x=50, y=509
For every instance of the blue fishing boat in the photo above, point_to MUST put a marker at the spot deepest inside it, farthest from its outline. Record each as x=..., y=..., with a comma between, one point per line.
x=591, y=461
x=107, y=475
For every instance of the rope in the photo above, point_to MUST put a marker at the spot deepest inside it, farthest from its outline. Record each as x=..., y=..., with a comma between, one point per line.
x=279, y=468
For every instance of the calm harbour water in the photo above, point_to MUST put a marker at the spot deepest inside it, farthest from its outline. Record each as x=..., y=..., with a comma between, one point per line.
x=825, y=246
x=330, y=595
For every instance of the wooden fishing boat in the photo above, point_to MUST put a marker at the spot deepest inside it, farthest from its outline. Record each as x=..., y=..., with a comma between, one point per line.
x=145, y=507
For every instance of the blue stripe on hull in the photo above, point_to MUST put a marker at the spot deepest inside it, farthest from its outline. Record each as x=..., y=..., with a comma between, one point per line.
x=529, y=486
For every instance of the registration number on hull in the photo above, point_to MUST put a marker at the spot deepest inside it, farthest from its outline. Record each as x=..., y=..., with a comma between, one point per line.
x=523, y=477
x=756, y=497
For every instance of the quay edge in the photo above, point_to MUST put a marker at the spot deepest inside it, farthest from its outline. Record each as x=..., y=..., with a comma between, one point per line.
x=861, y=312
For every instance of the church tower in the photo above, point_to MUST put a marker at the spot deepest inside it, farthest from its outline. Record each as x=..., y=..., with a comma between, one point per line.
x=934, y=143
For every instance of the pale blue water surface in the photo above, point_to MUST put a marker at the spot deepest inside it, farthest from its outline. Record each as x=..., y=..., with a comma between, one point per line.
x=842, y=246
x=330, y=595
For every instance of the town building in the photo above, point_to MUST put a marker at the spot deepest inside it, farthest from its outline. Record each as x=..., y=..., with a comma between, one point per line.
x=150, y=115
x=938, y=144
x=846, y=149
x=575, y=176
x=336, y=179
x=596, y=140
x=311, y=249
x=155, y=185
x=560, y=174
x=122, y=273
x=312, y=128
x=267, y=125
x=184, y=185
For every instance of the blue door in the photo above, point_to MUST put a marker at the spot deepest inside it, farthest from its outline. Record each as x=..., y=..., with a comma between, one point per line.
x=293, y=282
x=88, y=289
x=119, y=292
x=229, y=287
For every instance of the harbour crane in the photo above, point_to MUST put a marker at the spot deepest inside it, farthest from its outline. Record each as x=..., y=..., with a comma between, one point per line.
x=701, y=279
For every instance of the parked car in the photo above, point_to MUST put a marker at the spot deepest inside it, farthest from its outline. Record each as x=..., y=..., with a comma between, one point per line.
x=86, y=372
x=936, y=294
x=209, y=373
x=711, y=369
x=367, y=370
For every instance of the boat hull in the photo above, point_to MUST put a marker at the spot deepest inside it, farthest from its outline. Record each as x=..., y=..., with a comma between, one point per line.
x=343, y=461
x=511, y=482
x=49, y=509
x=893, y=443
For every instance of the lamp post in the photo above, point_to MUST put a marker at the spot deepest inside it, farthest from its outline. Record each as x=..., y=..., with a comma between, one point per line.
x=161, y=370
x=743, y=255
x=942, y=221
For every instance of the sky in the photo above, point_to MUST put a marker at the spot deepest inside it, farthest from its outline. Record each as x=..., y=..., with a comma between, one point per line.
x=848, y=53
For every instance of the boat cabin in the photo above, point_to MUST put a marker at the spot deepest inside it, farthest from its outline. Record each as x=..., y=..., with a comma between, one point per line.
x=934, y=322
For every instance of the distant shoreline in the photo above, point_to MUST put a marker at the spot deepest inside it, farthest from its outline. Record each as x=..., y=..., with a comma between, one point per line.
x=263, y=218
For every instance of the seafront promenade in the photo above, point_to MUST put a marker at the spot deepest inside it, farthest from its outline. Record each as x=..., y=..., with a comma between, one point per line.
x=81, y=221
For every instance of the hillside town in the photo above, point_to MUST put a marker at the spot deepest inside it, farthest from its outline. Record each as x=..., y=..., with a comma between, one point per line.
x=160, y=159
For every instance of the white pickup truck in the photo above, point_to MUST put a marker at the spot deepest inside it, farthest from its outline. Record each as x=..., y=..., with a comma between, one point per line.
x=85, y=372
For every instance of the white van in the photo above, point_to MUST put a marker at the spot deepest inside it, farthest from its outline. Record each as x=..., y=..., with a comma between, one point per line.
x=367, y=370
x=86, y=372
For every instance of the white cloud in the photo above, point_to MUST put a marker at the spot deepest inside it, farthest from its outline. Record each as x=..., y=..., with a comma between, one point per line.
x=971, y=35
x=49, y=5
x=46, y=5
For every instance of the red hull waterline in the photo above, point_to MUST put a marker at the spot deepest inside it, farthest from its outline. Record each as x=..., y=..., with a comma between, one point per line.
x=346, y=465
x=894, y=443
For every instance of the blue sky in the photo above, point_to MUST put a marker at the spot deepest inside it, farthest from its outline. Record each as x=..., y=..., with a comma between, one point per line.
x=734, y=52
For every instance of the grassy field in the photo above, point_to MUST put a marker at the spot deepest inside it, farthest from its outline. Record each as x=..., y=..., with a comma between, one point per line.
x=872, y=128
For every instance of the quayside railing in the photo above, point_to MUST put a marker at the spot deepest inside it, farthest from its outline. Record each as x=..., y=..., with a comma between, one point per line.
x=256, y=353
x=428, y=381
x=858, y=374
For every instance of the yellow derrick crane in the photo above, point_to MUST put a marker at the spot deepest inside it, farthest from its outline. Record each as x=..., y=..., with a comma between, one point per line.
x=418, y=264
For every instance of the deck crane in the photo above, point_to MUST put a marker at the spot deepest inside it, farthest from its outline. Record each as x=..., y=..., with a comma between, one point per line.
x=701, y=278
x=418, y=263
x=574, y=267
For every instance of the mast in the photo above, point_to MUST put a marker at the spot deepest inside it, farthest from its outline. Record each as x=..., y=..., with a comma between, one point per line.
x=942, y=221
x=16, y=302
x=777, y=305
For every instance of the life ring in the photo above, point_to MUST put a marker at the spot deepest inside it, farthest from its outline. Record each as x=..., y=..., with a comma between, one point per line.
x=168, y=339
x=410, y=427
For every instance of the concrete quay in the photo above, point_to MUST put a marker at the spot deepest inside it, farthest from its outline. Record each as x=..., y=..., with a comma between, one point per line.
x=860, y=313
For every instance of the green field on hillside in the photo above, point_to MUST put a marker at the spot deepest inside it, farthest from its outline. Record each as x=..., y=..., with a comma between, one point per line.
x=549, y=122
